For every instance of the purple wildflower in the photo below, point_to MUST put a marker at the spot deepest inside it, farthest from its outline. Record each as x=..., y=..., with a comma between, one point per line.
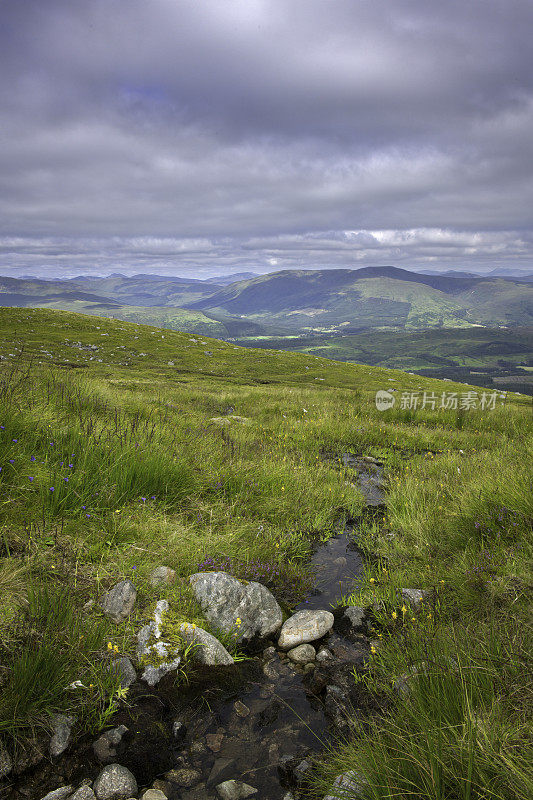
x=30, y=478
x=11, y=460
x=51, y=488
x=32, y=458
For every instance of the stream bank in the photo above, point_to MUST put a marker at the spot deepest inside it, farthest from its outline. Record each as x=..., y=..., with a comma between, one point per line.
x=258, y=721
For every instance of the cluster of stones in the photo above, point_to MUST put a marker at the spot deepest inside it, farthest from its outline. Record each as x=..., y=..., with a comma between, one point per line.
x=248, y=612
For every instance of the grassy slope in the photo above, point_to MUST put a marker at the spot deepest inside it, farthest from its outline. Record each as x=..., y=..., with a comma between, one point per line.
x=149, y=473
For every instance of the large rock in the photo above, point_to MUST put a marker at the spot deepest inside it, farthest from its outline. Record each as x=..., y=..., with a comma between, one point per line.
x=115, y=782
x=118, y=602
x=243, y=610
x=207, y=650
x=62, y=733
x=348, y=786
x=305, y=626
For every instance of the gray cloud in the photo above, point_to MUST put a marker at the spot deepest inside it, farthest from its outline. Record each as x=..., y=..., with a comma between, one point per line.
x=202, y=137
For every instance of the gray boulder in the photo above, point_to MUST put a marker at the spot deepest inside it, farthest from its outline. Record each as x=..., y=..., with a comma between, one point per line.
x=105, y=747
x=118, y=602
x=162, y=576
x=115, y=782
x=125, y=670
x=235, y=790
x=225, y=601
x=6, y=763
x=62, y=733
x=303, y=654
x=59, y=794
x=348, y=786
x=207, y=650
x=355, y=617
x=305, y=626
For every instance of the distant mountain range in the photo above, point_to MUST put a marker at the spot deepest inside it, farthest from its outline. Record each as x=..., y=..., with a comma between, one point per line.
x=289, y=300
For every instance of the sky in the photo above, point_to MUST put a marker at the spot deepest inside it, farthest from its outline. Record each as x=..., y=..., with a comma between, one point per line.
x=207, y=137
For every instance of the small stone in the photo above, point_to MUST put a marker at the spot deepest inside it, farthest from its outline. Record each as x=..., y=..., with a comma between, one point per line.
x=83, y=793
x=105, y=747
x=350, y=785
x=302, y=771
x=309, y=668
x=118, y=602
x=214, y=741
x=164, y=786
x=302, y=654
x=241, y=709
x=355, y=616
x=125, y=670
x=323, y=655
x=288, y=796
x=305, y=626
x=115, y=782
x=222, y=769
x=235, y=790
x=6, y=763
x=414, y=596
x=185, y=778
x=62, y=732
x=59, y=794
x=162, y=576
x=153, y=794
x=179, y=729
x=197, y=748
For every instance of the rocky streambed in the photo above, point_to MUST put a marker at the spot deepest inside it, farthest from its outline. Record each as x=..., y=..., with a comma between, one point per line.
x=237, y=730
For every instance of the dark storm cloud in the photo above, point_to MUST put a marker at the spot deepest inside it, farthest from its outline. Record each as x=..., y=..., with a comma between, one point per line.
x=215, y=135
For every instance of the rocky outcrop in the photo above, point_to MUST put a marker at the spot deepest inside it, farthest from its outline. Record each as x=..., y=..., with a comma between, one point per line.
x=305, y=626
x=244, y=610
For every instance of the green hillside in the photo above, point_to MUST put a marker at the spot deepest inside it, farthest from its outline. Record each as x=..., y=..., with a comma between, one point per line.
x=373, y=297
x=126, y=447
x=496, y=357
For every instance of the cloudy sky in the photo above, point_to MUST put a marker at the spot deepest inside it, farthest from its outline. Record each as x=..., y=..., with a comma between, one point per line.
x=202, y=137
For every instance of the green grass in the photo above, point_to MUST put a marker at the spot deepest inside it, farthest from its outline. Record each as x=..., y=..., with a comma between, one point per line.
x=152, y=480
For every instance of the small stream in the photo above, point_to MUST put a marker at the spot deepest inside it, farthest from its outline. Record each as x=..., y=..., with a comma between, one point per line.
x=257, y=721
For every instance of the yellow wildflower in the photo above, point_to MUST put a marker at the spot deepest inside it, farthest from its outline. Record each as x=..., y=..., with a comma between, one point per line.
x=394, y=614
x=373, y=650
x=109, y=646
